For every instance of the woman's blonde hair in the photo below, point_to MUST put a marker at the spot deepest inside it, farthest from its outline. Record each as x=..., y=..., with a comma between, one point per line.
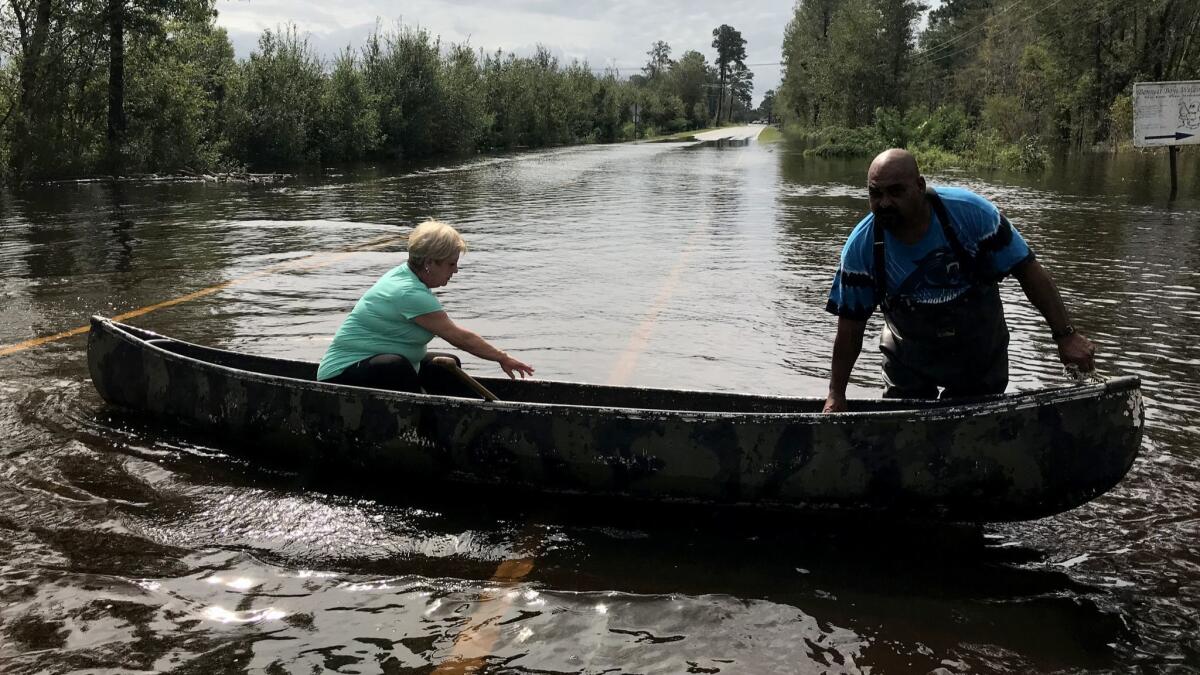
x=432, y=241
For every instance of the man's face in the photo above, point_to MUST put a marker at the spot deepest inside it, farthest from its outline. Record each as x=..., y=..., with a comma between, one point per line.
x=896, y=196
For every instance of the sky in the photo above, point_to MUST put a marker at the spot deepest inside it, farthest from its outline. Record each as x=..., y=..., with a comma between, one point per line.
x=603, y=32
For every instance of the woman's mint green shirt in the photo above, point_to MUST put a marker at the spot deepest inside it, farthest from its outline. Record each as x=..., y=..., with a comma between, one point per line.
x=382, y=323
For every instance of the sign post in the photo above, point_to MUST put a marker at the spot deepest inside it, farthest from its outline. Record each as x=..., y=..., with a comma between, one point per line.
x=1166, y=113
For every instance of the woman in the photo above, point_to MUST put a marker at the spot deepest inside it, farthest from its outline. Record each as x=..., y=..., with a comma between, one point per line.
x=381, y=344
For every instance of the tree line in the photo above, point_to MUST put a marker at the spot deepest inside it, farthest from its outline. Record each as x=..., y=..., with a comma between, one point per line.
x=151, y=86
x=994, y=82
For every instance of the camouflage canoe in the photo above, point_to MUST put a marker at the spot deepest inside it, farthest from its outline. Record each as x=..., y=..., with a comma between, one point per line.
x=1011, y=457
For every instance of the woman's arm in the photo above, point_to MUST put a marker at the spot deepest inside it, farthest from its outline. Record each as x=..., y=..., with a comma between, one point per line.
x=440, y=324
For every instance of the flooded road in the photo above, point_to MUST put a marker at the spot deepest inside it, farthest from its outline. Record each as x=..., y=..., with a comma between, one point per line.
x=131, y=547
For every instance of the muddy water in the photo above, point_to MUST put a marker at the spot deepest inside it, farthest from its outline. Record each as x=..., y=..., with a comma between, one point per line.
x=131, y=547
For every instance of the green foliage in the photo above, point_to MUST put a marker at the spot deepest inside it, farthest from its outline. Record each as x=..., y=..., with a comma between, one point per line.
x=688, y=79
x=948, y=127
x=844, y=142
x=991, y=151
x=60, y=58
x=190, y=106
x=464, y=119
x=892, y=128
x=990, y=86
x=1031, y=155
x=731, y=69
x=276, y=98
x=934, y=158
x=402, y=69
x=348, y=123
x=1006, y=116
x=1120, y=115
x=175, y=98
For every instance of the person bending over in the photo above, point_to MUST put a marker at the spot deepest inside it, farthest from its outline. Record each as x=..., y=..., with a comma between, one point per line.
x=931, y=260
x=382, y=342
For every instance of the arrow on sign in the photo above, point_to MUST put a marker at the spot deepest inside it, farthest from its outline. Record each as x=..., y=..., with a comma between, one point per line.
x=1178, y=135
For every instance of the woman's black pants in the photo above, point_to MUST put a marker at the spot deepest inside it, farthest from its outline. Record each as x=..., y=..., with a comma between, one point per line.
x=392, y=371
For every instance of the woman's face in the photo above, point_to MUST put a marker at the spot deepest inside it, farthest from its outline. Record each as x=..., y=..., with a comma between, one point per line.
x=439, y=271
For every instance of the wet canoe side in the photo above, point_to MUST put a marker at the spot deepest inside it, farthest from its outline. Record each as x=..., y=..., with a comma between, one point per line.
x=1005, y=458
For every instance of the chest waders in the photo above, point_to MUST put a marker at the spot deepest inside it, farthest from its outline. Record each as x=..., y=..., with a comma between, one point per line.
x=961, y=345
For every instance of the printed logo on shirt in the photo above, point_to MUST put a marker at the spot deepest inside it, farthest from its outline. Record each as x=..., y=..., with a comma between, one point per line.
x=936, y=277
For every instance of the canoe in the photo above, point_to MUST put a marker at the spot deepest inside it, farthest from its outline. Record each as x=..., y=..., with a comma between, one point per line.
x=1015, y=456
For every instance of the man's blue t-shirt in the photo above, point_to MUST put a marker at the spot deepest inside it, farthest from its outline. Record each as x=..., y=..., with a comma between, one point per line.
x=927, y=272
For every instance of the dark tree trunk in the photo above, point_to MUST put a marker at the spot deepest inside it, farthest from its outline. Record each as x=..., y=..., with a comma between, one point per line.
x=116, y=84
x=720, y=94
x=29, y=104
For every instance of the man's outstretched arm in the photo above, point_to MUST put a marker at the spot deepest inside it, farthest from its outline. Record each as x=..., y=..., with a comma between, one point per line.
x=847, y=345
x=1073, y=347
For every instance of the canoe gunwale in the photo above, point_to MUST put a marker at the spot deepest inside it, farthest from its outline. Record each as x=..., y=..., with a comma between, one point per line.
x=920, y=411
x=1009, y=457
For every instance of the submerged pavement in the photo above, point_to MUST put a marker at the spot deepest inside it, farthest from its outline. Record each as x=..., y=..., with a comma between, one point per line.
x=746, y=133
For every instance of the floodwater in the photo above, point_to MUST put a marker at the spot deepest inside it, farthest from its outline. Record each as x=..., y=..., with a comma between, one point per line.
x=128, y=547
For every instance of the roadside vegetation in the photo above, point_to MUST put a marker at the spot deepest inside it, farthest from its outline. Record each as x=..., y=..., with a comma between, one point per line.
x=986, y=84
x=770, y=134
x=152, y=86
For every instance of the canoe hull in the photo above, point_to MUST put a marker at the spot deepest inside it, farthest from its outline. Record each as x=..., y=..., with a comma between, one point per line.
x=1005, y=458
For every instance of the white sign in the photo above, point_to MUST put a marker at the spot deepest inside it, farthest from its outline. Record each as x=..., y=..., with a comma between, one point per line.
x=1166, y=113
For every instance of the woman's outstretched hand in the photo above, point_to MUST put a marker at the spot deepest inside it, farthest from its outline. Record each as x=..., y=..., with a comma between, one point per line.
x=512, y=366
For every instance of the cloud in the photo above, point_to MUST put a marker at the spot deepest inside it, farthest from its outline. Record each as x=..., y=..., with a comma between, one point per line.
x=602, y=32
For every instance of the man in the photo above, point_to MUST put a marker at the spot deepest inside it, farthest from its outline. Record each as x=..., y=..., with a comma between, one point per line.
x=931, y=260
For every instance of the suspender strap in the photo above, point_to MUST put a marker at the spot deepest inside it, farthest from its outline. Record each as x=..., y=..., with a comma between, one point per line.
x=880, y=267
x=960, y=253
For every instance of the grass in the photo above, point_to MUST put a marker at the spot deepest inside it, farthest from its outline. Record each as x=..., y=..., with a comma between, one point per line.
x=771, y=134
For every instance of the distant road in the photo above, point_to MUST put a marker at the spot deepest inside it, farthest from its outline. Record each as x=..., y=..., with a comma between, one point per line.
x=745, y=133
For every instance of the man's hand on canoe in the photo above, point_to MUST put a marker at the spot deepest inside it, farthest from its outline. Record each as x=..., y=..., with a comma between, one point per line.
x=835, y=403
x=1077, y=350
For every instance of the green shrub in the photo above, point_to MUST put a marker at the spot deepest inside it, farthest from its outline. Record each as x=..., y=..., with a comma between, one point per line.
x=892, y=128
x=276, y=98
x=349, y=117
x=948, y=127
x=1120, y=113
x=935, y=158
x=844, y=142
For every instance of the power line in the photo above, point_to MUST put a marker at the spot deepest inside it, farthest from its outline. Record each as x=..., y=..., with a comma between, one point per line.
x=963, y=35
x=1026, y=18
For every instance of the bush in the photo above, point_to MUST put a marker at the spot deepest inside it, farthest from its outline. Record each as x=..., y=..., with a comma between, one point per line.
x=1120, y=113
x=276, y=102
x=949, y=127
x=1007, y=115
x=991, y=152
x=845, y=142
x=892, y=128
x=934, y=158
x=1031, y=156
x=349, y=119
x=175, y=98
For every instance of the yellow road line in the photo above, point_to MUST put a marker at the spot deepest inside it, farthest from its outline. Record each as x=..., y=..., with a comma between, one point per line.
x=484, y=636
x=305, y=263
x=481, y=636
x=641, y=335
